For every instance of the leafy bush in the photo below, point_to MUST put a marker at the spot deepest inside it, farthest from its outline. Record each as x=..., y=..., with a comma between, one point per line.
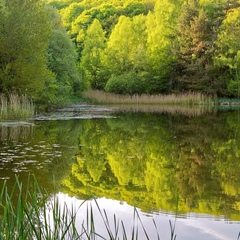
x=233, y=88
x=127, y=83
x=135, y=8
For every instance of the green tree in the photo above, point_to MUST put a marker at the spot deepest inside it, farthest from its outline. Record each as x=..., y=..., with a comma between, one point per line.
x=106, y=14
x=135, y=8
x=119, y=46
x=139, y=44
x=58, y=4
x=91, y=61
x=62, y=61
x=70, y=13
x=126, y=47
x=194, y=56
x=24, y=39
x=160, y=58
x=228, y=50
x=103, y=13
x=197, y=31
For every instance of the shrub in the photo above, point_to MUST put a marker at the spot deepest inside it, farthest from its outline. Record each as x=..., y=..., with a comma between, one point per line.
x=127, y=83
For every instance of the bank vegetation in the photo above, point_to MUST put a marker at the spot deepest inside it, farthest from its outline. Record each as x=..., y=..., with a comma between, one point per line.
x=54, y=49
x=27, y=212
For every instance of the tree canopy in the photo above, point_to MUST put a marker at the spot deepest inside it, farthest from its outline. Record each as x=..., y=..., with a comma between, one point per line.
x=24, y=39
x=59, y=48
x=36, y=54
x=169, y=46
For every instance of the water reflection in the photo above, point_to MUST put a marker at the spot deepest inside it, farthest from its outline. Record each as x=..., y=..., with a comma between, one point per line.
x=38, y=148
x=13, y=131
x=165, y=164
x=198, y=225
x=171, y=109
x=174, y=163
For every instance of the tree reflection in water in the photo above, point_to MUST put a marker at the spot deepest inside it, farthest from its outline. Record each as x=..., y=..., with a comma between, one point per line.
x=168, y=162
x=171, y=163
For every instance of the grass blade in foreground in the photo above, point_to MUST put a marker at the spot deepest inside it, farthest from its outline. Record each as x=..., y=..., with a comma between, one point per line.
x=32, y=215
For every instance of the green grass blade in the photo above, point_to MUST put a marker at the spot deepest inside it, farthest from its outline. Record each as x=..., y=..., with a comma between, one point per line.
x=124, y=231
x=172, y=228
x=105, y=221
x=155, y=225
x=144, y=230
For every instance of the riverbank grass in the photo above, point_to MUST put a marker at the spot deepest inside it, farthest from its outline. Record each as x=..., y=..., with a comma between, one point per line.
x=27, y=212
x=191, y=98
x=15, y=107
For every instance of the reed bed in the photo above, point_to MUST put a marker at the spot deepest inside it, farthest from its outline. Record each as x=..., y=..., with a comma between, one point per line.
x=191, y=98
x=27, y=213
x=15, y=107
x=186, y=110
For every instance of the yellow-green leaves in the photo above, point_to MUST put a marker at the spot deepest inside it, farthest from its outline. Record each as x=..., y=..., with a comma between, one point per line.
x=23, y=42
x=91, y=61
x=228, y=40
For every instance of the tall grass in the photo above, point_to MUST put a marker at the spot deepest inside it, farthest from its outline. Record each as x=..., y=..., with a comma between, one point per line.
x=15, y=107
x=191, y=98
x=25, y=216
x=27, y=213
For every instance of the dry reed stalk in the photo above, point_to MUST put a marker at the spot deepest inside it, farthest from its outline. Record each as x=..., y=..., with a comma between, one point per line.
x=3, y=105
x=15, y=107
x=191, y=98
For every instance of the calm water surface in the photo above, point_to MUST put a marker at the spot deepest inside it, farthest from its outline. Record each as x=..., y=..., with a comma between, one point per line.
x=181, y=167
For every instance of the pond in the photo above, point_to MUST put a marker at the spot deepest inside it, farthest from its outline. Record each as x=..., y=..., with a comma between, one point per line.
x=179, y=167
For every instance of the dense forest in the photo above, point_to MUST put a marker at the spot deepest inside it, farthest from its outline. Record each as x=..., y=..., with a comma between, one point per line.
x=52, y=49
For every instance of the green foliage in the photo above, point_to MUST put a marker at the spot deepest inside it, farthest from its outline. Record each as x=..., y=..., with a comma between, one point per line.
x=160, y=58
x=105, y=14
x=233, y=88
x=171, y=45
x=24, y=40
x=228, y=52
x=62, y=61
x=126, y=47
x=91, y=61
x=135, y=8
x=70, y=13
x=160, y=28
x=194, y=54
x=127, y=83
x=37, y=57
x=58, y=4
x=64, y=79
